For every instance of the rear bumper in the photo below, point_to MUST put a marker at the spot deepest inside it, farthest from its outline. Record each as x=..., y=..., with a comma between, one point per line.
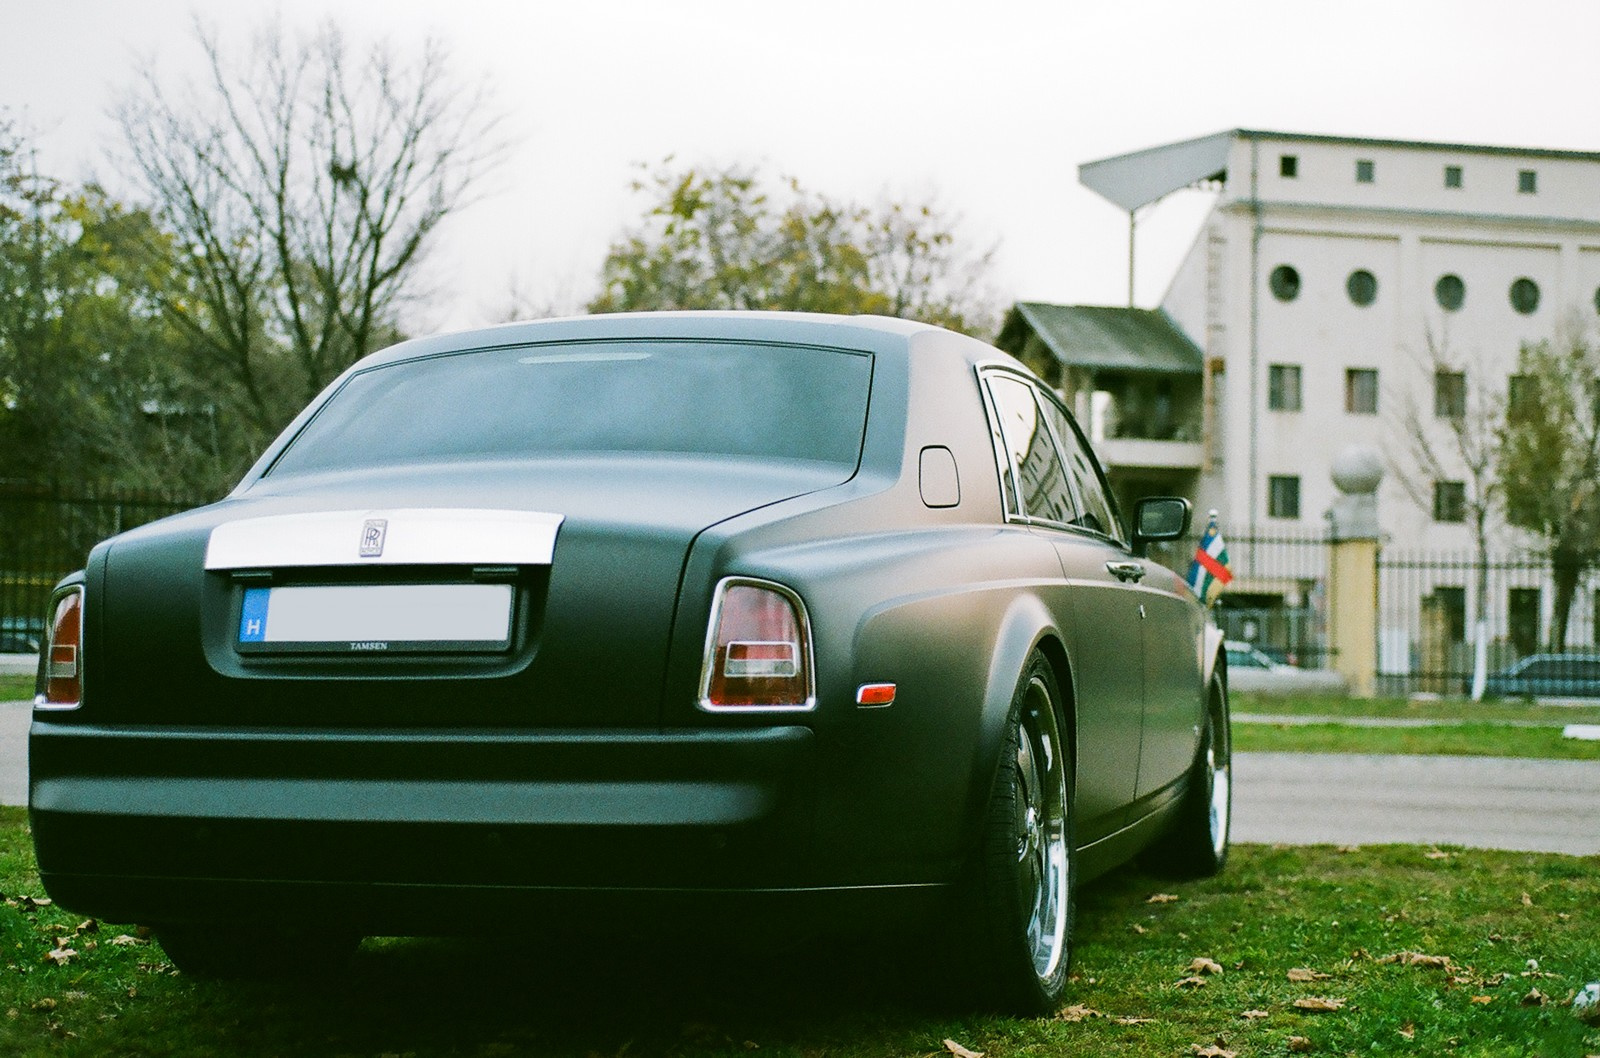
x=159, y=824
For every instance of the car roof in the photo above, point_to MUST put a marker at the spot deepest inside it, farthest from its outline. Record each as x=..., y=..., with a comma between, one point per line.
x=871, y=333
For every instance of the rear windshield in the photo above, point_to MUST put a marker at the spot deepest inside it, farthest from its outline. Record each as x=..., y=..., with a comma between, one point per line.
x=713, y=398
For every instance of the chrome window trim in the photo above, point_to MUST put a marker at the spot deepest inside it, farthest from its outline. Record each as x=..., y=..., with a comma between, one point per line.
x=709, y=651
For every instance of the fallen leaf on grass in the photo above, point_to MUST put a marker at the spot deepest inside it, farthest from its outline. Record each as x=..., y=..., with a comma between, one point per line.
x=1128, y=1020
x=952, y=1047
x=1408, y=1030
x=1211, y=1051
x=1303, y=975
x=1191, y=982
x=1203, y=965
x=1527, y=901
x=88, y=925
x=1318, y=1005
x=123, y=940
x=1300, y=1045
x=60, y=956
x=1078, y=1012
x=45, y=1004
x=1535, y=998
x=1435, y=854
x=1162, y=898
x=1483, y=1000
x=1416, y=958
x=1138, y=929
x=1255, y=1015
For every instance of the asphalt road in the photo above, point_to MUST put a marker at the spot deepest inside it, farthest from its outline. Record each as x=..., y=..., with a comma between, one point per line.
x=1306, y=798
x=1483, y=802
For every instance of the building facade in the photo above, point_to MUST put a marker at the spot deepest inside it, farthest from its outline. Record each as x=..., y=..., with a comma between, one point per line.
x=1341, y=291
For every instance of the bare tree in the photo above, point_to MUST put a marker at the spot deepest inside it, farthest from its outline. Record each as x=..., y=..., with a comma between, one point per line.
x=1549, y=459
x=303, y=187
x=1455, y=440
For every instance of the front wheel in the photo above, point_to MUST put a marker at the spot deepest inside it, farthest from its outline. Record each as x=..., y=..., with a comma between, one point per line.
x=1019, y=896
x=1197, y=844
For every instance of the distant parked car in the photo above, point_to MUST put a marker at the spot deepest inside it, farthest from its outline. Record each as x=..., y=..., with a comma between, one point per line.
x=1251, y=669
x=20, y=635
x=1547, y=676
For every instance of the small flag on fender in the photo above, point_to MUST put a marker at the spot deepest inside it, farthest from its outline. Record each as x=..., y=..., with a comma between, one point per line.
x=1208, y=573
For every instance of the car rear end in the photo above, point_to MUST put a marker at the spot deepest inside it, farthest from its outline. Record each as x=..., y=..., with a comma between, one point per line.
x=422, y=655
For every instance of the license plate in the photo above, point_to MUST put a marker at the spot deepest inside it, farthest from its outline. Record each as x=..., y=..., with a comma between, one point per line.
x=376, y=618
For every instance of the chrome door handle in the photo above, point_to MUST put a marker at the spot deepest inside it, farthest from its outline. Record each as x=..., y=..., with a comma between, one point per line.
x=1126, y=571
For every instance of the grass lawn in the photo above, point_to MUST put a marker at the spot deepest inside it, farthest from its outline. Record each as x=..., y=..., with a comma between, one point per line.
x=1520, y=934
x=16, y=688
x=1459, y=710
x=1469, y=740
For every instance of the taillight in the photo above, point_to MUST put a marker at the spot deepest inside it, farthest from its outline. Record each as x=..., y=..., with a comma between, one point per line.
x=758, y=650
x=63, y=652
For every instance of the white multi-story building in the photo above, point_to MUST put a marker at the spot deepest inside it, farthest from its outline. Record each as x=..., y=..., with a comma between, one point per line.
x=1340, y=291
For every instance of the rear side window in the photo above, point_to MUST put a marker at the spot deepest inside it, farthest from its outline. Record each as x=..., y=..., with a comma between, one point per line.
x=1099, y=510
x=1030, y=456
x=709, y=398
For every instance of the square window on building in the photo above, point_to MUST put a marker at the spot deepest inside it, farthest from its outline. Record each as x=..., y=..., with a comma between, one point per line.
x=1283, y=496
x=1283, y=387
x=1288, y=166
x=1449, y=394
x=1449, y=501
x=1361, y=391
x=1452, y=176
x=1527, y=182
x=1364, y=171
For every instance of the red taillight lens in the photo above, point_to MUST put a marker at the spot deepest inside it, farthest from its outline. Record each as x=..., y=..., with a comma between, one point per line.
x=63, y=660
x=758, y=655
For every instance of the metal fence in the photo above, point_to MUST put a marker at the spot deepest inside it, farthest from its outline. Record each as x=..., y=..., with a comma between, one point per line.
x=46, y=532
x=1428, y=605
x=1277, y=599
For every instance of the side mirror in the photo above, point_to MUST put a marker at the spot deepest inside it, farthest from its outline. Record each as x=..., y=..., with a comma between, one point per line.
x=1160, y=518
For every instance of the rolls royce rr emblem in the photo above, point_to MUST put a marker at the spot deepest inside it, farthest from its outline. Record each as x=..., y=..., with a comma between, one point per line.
x=372, y=534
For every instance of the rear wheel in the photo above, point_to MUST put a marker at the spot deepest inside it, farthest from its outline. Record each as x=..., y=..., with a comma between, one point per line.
x=1019, y=896
x=1197, y=844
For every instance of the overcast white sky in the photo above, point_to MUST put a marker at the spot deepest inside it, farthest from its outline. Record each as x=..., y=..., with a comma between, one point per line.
x=989, y=107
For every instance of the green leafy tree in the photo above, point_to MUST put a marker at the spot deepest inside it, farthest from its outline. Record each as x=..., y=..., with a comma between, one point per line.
x=89, y=366
x=303, y=187
x=1549, y=460
x=721, y=240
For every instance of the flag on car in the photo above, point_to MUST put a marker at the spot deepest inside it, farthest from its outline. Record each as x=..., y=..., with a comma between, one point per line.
x=1208, y=573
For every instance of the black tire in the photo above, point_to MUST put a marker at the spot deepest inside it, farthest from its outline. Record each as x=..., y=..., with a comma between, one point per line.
x=1196, y=846
x=256, y=953
x=1018, y=897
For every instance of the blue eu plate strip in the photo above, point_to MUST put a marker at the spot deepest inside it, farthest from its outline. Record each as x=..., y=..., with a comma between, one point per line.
x=253, y=620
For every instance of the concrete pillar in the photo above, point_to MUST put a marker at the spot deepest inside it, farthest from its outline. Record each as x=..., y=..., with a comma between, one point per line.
x=1353, y=568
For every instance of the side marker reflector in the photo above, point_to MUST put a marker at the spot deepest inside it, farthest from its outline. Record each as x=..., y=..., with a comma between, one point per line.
x=875, y=694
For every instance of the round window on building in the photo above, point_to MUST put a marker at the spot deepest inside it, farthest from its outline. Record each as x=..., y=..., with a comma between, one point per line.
x=1362, y=287
x=1285, y=283
x=1525, y=296
x=1450, y=292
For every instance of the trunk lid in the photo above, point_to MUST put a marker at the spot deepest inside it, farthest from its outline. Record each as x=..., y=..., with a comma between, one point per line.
x=588, y=552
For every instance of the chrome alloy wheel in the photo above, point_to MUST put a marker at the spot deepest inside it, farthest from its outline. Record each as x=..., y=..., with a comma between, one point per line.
x=1041, y=829
x=1219, y=777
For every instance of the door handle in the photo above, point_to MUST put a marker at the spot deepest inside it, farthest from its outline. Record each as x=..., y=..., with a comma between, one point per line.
x=1126, y=571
